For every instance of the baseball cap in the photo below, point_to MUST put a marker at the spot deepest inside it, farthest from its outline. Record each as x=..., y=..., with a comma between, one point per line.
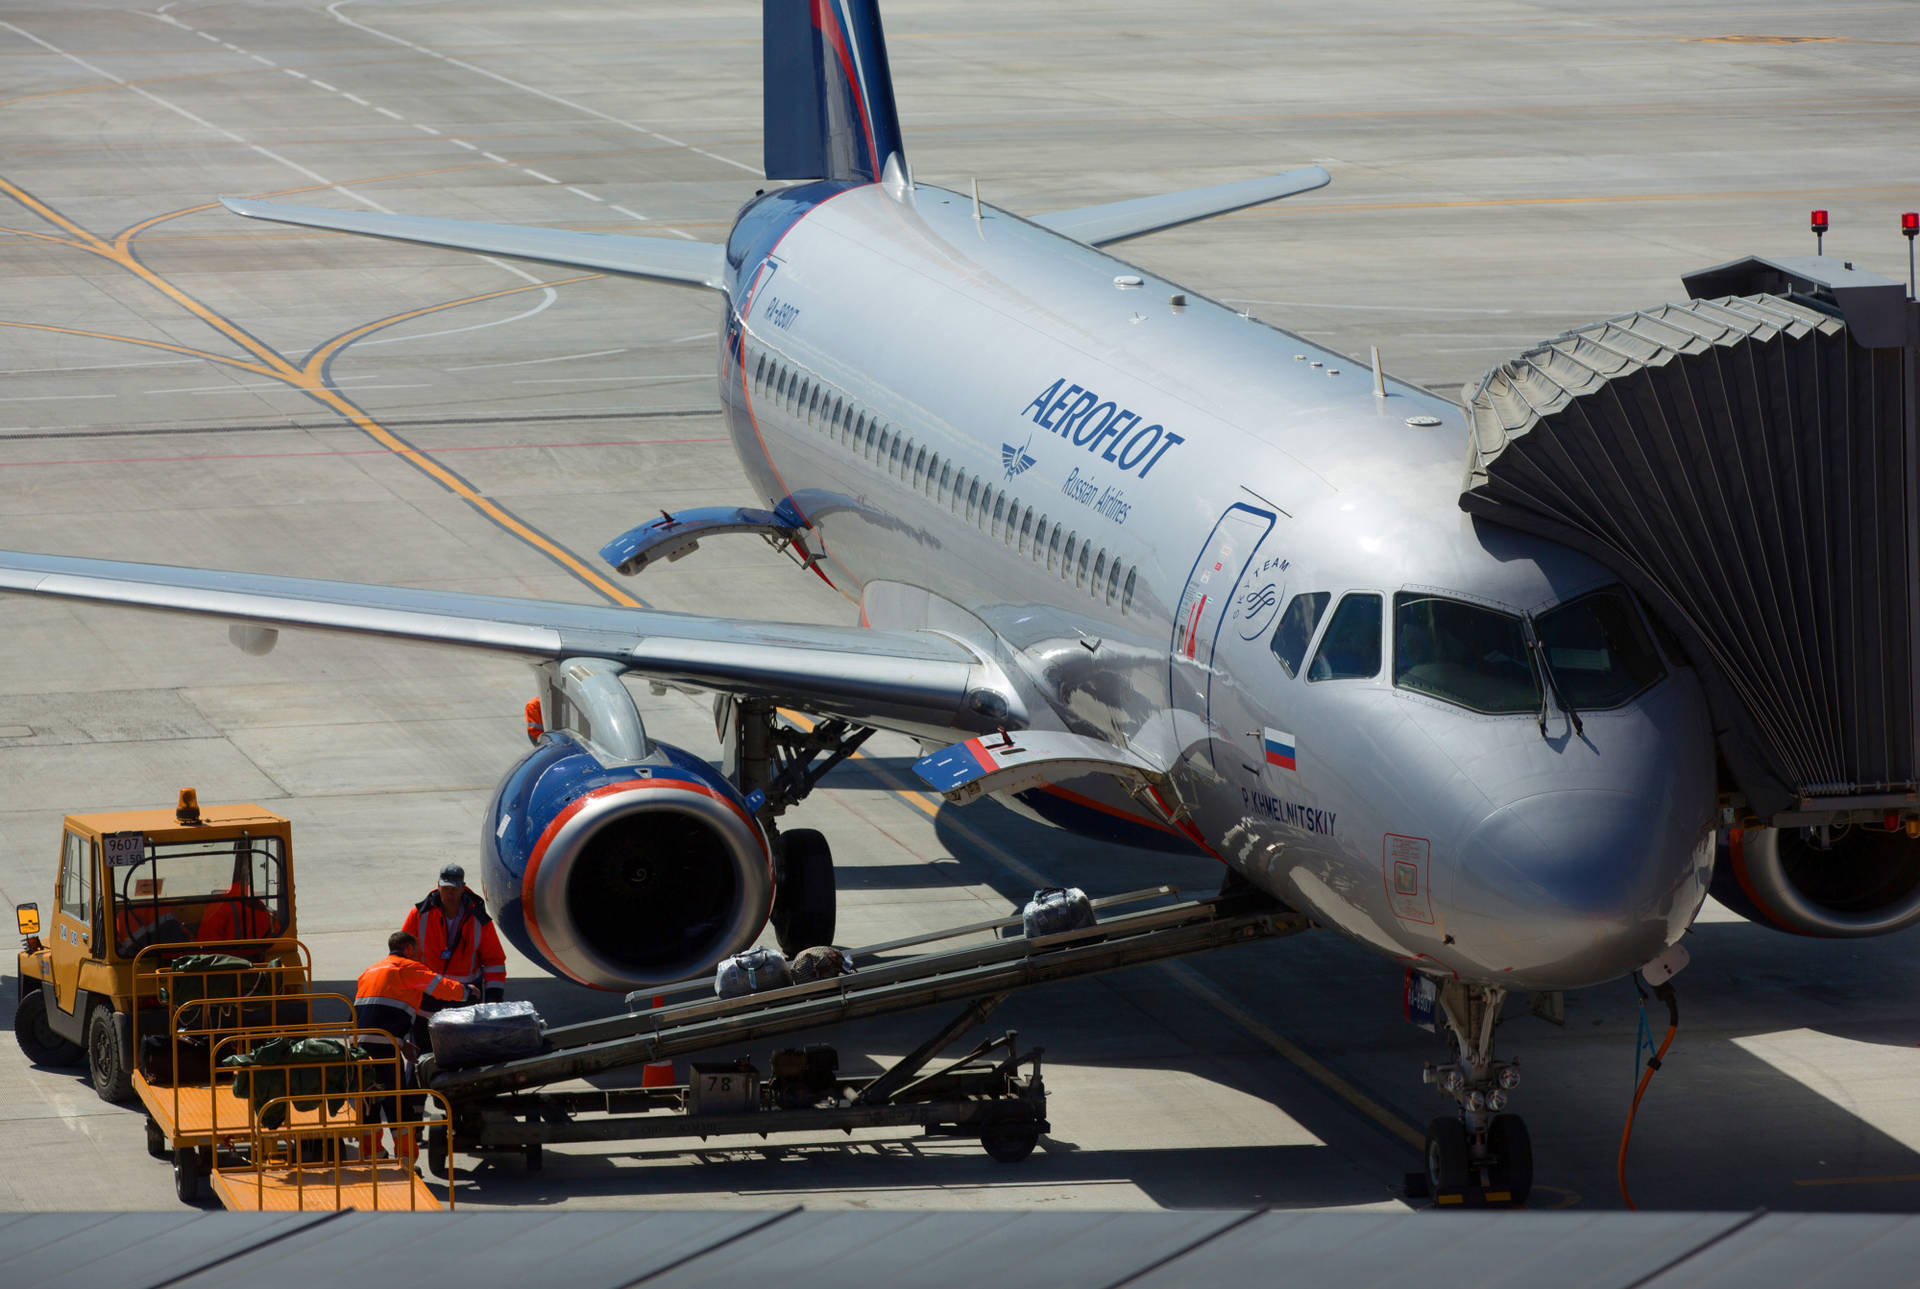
x=453, y=875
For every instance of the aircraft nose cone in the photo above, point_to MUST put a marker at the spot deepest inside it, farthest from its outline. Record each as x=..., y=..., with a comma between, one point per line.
x=1574, y=887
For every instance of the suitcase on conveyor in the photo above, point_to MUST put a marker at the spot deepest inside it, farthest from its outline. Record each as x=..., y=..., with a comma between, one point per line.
x=752, y=972
x=484, y=1033
x=1054, y=910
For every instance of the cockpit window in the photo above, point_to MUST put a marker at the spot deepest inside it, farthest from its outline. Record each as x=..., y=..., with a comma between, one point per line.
x=1461, y=653
x=1295, y=632
x=1598, y=649
x=1350, y=649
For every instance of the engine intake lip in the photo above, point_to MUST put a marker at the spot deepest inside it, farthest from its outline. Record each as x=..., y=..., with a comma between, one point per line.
x=550, y=872
x=1772, y=865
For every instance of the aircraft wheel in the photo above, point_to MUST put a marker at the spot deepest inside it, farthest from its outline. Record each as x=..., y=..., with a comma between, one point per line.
x=1509, y=1142
x=107, y=1057
x=803, y=906
x=34, y=1032
x=1447, y=1156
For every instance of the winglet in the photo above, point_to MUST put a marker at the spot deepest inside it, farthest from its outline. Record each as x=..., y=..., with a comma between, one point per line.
x=682, y=263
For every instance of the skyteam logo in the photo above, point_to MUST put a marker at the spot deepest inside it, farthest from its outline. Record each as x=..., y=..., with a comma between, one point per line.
x=1017, y=460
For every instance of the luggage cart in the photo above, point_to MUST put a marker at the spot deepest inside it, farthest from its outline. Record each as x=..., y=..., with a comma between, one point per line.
x=994, y=1093
x=318, y=1157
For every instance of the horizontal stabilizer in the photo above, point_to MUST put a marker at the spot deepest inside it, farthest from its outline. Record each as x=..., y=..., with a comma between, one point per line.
x=1006, y=763
x=685, y=263
x=1117, y=221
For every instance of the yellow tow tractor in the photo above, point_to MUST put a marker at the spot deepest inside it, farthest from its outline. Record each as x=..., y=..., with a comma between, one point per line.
x=136, y=891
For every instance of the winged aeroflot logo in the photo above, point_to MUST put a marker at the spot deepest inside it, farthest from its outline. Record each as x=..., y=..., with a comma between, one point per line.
x=1017, y=460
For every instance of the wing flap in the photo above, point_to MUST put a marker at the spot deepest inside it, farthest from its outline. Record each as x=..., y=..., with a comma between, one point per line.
x=1008, y=763
x=898, y=679
x=1120, y=220
x=656, y=258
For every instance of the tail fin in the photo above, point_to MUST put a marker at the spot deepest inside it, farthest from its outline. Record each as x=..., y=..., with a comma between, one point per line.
x=829, y=96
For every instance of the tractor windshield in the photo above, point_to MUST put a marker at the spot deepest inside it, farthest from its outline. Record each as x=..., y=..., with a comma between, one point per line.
x=233, y=889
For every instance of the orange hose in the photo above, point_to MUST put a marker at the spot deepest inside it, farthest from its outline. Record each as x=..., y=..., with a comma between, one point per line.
x=1626, y=1133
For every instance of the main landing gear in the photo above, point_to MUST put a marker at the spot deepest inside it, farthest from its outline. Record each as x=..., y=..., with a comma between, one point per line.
x=776, y=765
x=1477, y=1155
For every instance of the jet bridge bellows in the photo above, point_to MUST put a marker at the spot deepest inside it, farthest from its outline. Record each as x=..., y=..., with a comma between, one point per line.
x=1748, y=464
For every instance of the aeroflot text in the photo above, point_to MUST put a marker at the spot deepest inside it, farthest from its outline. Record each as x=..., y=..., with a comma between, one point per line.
x=1102, y=426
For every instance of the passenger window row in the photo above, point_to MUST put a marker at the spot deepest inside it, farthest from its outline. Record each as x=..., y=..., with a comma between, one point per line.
x=1103, y=576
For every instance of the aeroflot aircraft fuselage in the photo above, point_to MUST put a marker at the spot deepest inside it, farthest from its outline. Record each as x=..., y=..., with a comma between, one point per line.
x=1208, y=539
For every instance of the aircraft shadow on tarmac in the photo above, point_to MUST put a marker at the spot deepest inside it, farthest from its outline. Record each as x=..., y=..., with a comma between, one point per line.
x=1722, y=1127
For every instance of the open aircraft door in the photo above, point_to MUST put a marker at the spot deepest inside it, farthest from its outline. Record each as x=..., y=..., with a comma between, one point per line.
x=1217, y=578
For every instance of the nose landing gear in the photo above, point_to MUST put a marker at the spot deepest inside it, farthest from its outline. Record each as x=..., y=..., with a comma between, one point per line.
x=1479, y=1155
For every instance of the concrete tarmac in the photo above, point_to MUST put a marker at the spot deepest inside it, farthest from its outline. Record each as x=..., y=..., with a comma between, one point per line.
x=181, y=386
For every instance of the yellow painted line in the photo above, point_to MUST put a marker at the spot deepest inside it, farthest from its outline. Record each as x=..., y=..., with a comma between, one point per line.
x=1857, y=1181
x=1188, y=978
x=308, y=377
x=190, y=352
x=317, y=360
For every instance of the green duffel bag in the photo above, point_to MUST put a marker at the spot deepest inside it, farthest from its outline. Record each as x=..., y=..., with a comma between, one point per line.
x=209, y=975
x=289, y=1067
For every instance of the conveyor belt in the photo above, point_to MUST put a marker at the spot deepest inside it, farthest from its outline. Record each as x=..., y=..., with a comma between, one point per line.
x=881, y=989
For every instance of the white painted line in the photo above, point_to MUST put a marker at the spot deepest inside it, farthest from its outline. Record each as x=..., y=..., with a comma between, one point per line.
x=220, y=389
x=425, y=128
x=636, y=380
x=165, y=362
x=334, y=9
x=582, y=192
x=548, y=296
x=387, y=111
x=495, y=156
x=289, y=71
x=320, y=84
x=235, y=48
x=355, y=98
x=545, y=179
x=52, y=398
x=631, y=213
x=535, y=362
x=462, y=143
x=207, y=35
x=202, y=121
x=698, y=335
x=265, y=61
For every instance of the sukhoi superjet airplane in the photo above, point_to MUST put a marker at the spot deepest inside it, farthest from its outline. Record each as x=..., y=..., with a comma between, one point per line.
x=1153, y=569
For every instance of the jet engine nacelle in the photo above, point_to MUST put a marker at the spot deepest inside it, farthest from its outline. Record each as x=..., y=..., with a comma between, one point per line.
x=1845, y=881
x=619, y=862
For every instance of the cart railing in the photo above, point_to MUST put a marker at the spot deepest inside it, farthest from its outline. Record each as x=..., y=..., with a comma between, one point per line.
x=231, y=1043
x=153, y=977
x=313, y=1160
x=217, y=1017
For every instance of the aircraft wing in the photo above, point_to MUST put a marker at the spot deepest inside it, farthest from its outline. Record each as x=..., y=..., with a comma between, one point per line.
x=1117, y=221
x=658, y=258
x=886, y=678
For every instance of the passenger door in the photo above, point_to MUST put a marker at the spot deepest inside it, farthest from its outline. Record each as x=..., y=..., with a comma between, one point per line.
x=1215, y=579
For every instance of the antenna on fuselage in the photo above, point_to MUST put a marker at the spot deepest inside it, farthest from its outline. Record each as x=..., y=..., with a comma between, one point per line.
x=976, y=203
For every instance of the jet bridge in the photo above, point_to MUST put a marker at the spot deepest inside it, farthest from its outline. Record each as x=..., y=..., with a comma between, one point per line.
x=1747, y=462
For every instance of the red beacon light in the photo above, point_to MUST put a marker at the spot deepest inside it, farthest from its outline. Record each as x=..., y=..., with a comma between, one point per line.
x=1910, y=224
x=1819, y=223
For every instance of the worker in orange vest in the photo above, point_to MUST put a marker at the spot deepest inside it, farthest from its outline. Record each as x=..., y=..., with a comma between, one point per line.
x=457, y=938
x=386, y=1003
x=238, y=915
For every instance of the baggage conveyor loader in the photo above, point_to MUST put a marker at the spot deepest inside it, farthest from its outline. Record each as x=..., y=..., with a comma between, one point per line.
x=984, y=1094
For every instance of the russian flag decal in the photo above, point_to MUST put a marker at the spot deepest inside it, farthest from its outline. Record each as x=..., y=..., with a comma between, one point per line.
x=1279, y=749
